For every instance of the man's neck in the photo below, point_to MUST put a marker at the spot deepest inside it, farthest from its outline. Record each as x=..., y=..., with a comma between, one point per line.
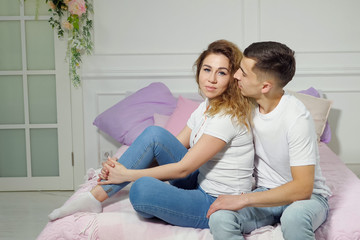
x=268, y=102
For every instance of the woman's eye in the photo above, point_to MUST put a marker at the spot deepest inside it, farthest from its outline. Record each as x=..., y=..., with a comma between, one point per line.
x=206, y=69
x=222, y=73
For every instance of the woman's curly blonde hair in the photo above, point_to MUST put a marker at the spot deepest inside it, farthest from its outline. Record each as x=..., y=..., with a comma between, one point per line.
x=231, y=102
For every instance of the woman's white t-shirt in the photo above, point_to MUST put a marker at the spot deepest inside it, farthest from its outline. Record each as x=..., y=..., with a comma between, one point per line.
x=230, y=170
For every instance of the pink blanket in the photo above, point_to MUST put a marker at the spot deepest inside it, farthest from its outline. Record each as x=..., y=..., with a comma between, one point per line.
x=120, y=221
x=343, y=222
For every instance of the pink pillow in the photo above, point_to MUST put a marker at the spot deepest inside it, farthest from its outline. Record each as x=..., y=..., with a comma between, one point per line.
x=160, y=120
x=178, y=119
x=121, y=151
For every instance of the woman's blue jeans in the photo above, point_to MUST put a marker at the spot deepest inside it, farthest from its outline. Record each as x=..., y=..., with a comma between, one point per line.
x=180, y=203
x=299, y=220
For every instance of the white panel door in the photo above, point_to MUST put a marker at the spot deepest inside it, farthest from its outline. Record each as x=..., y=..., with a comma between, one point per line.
x=35, y=109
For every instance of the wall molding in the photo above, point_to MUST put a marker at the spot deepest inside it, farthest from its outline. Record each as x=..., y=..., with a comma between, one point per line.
x=121, y=74
x=328, y=71
x=175, y=73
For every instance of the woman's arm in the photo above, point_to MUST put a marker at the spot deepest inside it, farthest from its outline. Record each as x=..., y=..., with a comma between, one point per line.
x=184, y=136
x=200, y=153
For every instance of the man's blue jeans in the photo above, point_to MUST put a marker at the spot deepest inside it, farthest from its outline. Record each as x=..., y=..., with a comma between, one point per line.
x=182, y=202
x=299, y=220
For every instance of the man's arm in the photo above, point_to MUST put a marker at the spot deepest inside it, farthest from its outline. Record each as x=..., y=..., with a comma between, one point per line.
x=300, y=188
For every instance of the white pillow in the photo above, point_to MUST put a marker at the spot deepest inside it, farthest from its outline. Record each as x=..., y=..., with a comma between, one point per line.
x=319, y=109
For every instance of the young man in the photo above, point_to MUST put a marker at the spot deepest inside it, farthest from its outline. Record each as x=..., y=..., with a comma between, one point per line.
x=290, y=188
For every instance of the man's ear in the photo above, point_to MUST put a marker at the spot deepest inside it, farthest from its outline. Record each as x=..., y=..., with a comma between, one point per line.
x=266, y=87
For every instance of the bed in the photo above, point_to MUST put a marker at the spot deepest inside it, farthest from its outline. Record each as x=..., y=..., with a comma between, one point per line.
x=118, y=219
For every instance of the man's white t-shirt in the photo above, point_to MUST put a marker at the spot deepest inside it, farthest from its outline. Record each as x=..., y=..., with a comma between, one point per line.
x=283, y=138
x=230, y=170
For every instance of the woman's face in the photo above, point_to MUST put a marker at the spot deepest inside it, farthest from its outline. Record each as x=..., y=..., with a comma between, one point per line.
x=214, y=75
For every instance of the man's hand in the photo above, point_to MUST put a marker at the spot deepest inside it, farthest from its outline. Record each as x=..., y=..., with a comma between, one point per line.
x=227, y=202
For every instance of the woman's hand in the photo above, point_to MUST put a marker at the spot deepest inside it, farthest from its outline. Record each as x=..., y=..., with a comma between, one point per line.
x=114, y=172
x=104, y=172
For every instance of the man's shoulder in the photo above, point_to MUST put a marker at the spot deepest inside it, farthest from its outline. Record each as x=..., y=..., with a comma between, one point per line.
x=294, y=104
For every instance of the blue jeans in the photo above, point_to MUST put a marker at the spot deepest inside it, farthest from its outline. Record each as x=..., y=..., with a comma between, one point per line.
x=182, y=202
x=299, y=220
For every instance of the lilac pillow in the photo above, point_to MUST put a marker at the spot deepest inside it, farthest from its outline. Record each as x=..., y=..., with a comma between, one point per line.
x=126, y=120
x=311, y=91
x=326, y=135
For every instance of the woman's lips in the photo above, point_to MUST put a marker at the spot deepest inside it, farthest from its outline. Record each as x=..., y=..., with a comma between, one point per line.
x=210, y=89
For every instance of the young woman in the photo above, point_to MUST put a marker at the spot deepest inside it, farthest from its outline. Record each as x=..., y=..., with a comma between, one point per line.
x=213, y=154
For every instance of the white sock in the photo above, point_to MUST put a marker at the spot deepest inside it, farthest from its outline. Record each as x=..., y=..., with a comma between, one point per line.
x=85, y=202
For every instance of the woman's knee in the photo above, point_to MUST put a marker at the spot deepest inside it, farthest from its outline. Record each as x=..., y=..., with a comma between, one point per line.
x=153, y=134
x=140, y=189
x=153, y=131
x=140, y=194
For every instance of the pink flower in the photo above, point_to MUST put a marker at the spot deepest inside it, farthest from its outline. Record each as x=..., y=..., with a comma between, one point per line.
x=52, y=5
x=77, y=7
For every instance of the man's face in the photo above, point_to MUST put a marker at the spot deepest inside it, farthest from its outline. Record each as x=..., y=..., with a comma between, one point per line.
x=247, y=79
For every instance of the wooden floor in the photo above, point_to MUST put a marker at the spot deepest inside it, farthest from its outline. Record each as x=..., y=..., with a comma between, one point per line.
x=23, y=215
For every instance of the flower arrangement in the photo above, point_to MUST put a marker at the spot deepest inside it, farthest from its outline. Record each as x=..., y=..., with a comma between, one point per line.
x=73, y=17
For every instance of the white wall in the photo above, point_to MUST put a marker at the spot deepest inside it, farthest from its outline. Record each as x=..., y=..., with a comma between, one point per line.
x=141, y=41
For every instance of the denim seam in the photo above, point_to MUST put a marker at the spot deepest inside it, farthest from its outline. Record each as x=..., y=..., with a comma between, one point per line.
x=138, y=161
x=168, y=152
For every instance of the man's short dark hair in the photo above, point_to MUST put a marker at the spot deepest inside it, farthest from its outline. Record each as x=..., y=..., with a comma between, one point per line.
x=273, y=58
